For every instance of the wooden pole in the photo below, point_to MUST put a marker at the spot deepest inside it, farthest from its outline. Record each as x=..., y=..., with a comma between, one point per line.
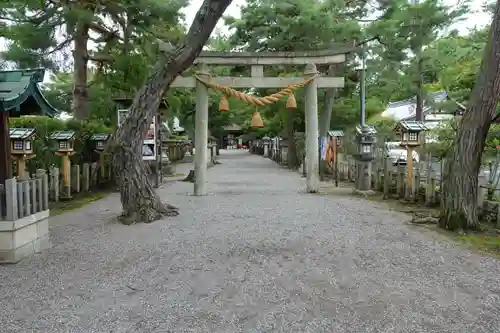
x=21, y=166
x=102, y=170
x=66, y=165
x=409, y=165
x=66, y=170
x=5, y=157
x=336, y=161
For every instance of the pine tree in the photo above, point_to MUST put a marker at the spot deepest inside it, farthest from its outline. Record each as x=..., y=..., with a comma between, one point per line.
x=459, y=205
x=40, y=33
x=139, y=200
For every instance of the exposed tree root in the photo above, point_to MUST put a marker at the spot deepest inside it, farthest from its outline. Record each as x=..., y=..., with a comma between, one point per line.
x=147, y=213
x=424, y=220
x=139, y=199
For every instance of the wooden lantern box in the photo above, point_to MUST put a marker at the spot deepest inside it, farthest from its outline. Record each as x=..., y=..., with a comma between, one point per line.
x=410, y=133
x=100, y=140
x=336, y=135
x=21, y=141
x=65, y=141
x=21, y=148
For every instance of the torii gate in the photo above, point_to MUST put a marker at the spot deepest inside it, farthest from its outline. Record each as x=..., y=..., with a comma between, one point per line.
x=257, y=60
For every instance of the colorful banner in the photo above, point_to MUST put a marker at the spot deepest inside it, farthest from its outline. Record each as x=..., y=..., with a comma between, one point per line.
x=149, y=143
x=323, y=147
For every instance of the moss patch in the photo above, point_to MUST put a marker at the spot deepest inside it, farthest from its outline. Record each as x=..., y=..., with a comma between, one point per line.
x=483, y=242
x=175, y=175
x=78, y=201
x=487, y=241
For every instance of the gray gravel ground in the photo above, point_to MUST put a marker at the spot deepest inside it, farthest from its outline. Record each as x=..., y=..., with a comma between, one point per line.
x=256, y=255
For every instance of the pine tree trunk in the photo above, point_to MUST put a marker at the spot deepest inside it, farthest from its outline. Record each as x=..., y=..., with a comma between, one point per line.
x=139, y=200
x=80, y=103
x=459, y=206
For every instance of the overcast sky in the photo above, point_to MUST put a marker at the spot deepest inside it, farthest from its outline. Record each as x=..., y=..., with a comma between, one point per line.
x=476, y=18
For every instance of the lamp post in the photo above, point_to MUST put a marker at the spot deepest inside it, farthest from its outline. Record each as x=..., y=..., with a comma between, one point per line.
x=366, y=135
x=366, y=139
x=362, y=88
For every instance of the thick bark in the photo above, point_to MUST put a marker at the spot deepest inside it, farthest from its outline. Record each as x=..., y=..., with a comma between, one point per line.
x=80, y=105
x=139, y=200
x=459, y=208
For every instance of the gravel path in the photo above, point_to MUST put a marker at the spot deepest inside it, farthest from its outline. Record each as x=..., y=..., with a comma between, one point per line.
x=256, y=255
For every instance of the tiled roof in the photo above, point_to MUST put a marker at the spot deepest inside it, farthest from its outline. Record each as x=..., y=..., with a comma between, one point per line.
x=406, y=109
x=17, y=86
x=21, y=133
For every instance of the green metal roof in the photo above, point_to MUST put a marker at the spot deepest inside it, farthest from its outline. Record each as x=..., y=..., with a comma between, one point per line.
x=414, y=126
x=337, y=133
x=99, y=137
x=62, y=135
x=17, y=86
x=21, y=133
x=367, y=129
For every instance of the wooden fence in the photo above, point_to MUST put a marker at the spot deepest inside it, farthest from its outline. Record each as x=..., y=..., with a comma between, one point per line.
x=425, y=187
x=27, y=195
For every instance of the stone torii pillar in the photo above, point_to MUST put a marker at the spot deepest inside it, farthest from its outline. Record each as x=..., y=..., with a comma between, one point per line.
x=312, y=132
x=201, y=136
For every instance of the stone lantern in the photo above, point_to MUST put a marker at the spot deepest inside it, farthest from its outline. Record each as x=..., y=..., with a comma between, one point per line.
x=212, y=148
x=266, y=141
x=366, y=139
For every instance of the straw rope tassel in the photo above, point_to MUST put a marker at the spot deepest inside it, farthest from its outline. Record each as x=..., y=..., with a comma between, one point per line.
x=223, y=104
x=257, y=120
x=291, y=102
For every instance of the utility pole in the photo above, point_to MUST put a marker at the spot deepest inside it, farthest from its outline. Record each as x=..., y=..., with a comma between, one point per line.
x=362, y=94
x=419, y=103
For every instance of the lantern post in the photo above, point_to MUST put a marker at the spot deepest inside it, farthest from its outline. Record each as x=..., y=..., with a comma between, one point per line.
x=366, y=139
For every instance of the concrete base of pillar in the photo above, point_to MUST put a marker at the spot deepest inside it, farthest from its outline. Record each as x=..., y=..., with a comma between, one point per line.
x=24, y=237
